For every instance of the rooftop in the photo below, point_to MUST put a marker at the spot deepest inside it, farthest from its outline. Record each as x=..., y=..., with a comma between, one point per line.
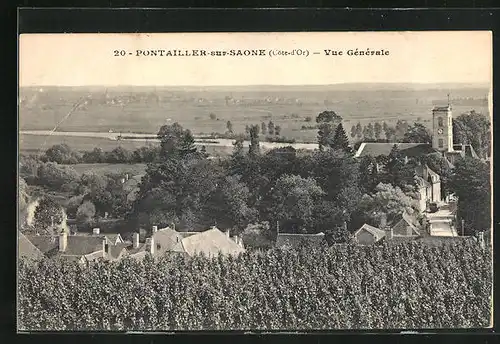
x=408, y=149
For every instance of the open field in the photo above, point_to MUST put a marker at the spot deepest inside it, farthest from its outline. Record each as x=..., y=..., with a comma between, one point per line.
x=145, y=110
x=33, y=144
x=102, y=169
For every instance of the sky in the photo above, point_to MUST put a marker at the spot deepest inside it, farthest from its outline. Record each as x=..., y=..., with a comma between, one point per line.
x=414, y=57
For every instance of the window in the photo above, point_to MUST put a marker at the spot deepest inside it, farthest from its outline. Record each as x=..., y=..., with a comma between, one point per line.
x=440, y=122
x=440, y=143
x=158, y=246
x=106, y=247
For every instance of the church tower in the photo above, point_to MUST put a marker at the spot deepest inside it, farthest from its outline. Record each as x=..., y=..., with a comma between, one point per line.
x=442, y=128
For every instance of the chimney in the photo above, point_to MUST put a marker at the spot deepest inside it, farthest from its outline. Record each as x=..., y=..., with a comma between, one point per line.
x=126, y=176
x=106, y=214
x=63, y=241
x=388, y=233
x=135, y=240
x=155, y=229
x=105, y=248
x=96, y=231
x=152, y=247
x=383, y=221
x=123, y=180
x=236, y=239
x=344, y=225
x=481, y=239
x=227, y=233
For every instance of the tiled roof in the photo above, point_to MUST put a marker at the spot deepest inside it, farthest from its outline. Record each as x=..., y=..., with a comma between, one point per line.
x=78, y=245
x=115, y=251
x=296, y=240
x=44, y=243
x=408, y=149
x=210, y=242
x=377, y=232
x=442, y=108
x=139, y=255
x=167, y=239
x=27, y=249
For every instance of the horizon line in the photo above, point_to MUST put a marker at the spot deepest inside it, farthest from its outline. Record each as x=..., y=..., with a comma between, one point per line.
x=482, y=83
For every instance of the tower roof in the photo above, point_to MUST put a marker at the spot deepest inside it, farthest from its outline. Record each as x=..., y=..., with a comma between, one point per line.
x=442, y=108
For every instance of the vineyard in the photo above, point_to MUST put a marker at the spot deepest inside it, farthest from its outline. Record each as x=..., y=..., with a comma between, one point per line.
x=344, y=287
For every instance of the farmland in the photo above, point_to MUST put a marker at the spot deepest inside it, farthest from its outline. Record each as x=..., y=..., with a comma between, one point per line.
x=204, y=111
x=407, y=286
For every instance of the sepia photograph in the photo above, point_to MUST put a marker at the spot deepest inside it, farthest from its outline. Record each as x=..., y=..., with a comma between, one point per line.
x=291, y=181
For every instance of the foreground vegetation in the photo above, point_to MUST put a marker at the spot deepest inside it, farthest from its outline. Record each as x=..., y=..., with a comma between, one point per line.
x=343, y=287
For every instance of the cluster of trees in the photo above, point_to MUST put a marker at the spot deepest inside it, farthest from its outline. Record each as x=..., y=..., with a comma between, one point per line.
x=402, y=286
x=63, y=154
x=382, y=132
x=87, y=197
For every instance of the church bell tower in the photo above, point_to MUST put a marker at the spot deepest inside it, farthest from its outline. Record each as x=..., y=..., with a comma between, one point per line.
x=442, y=128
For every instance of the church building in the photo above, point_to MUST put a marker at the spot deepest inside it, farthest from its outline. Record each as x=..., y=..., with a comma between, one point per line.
x=442, y=141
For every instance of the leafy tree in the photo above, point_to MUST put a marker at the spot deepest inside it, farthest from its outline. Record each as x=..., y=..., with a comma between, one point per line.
x=326, y=133
x=353, y=131
x=270, y=128
x=94, y=156
x=175, y=191
x=28, y=168
x=340, y=140
x=387, y=200
x=475, y=129
x=61, y=154
x=228, y=205
x=401, y=129
x=398, y=172
x=359, y=131
x=263, y=128
x=23, y=196
x=213, y=116
x=295, y=199
x=370, y=132
x=229, y=127
x=277, y=130
x=73, y=204
x=258, y=235
x=471, y=183
x=85, y=213
x=369, y=176
x=175, y=142
x=48, y=217
x=145, y=154
x=119, y=155
x=377, y=131
x=328, y=117
x=385, y=129
x=417, y=133
x=54, y=176
x=254, y=148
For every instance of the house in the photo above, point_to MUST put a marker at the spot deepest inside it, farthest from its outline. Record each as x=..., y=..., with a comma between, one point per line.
x=80, y=248
x=368, y=235
x=291, y=240
x=407, y=226
x=169, y=241
x=26, y=249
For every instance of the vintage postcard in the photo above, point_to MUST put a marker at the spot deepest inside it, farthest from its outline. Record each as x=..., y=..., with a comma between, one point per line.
x=255, y=181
